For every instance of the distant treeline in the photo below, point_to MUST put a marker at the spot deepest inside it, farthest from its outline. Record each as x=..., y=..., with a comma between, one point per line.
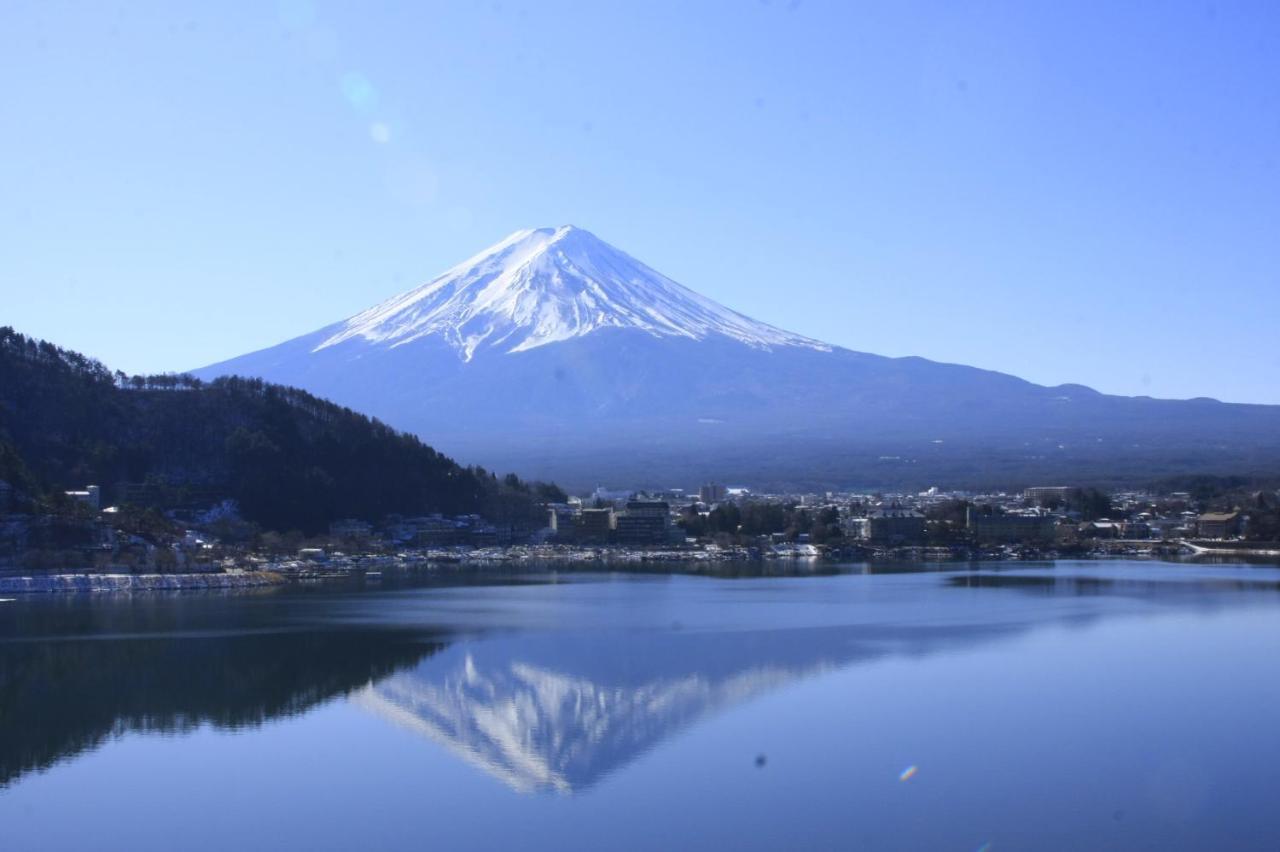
x=1208, y=488
x=291, y=460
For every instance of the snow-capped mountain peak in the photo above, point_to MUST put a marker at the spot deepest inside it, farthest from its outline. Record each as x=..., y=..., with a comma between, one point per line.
x=547, y=285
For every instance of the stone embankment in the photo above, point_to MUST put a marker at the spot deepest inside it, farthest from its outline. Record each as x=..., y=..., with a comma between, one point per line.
x=136, y=582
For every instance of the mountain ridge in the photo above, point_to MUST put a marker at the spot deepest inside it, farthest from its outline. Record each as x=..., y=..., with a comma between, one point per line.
x=558, y=355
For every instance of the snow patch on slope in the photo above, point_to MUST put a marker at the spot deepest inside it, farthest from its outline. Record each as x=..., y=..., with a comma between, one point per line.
x=547, y=285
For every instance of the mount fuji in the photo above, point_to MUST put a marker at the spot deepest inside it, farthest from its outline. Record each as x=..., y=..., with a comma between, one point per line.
x=545, y=286
x=555, y=354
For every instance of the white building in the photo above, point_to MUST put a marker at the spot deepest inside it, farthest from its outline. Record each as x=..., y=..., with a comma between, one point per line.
x=91, y=496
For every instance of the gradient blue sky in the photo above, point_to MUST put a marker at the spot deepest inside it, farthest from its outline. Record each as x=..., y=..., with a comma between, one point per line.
x=1081, y=192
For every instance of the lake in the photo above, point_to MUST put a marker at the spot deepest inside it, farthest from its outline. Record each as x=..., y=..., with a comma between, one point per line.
x=1076, y=705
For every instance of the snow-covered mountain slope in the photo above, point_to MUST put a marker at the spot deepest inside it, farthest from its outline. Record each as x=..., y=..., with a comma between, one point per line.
x=545, y=286
x=556, y=355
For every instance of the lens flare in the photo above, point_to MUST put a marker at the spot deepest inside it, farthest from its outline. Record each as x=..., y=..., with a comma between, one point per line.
x=908, y=773
x=358, y=91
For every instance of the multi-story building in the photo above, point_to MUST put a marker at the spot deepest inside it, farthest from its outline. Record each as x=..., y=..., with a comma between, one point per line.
x=595, y=526
x=856, y=527
x=1001, y=528
x=560, y=519
x=1218, y=524
x=350, y=528
x=644, y=522
x=435, y=531
x=895, y=525
x=1044, y=493
x=487, y=535
x=711, y=493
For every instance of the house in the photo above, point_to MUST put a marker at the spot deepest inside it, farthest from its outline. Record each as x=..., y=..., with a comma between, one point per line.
x=1104, y=528
x=1136, y=529
x=1164, y=528
x=1218, y=524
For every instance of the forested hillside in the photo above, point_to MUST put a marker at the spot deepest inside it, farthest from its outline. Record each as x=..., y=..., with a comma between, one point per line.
x=291, y=460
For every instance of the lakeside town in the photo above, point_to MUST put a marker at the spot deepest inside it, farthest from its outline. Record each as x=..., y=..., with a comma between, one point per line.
x=125, y=538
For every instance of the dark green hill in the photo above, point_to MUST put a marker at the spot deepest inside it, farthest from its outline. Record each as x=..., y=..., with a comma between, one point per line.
x=292, y=460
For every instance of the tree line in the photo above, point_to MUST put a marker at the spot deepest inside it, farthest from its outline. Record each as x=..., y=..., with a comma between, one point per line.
x=290, y=459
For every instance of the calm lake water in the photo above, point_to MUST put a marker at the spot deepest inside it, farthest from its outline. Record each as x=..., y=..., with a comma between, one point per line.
x=1071, y=706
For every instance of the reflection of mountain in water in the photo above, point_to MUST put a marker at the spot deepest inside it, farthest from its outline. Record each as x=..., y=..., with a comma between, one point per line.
x=562, y=712
x=540, y=710
x=61, y=697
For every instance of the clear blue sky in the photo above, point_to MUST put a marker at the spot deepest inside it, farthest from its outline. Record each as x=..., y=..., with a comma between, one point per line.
x=1079, y=192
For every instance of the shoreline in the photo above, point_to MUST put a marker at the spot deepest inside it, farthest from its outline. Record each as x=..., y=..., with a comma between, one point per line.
x=73, y=582
x=373, y=570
